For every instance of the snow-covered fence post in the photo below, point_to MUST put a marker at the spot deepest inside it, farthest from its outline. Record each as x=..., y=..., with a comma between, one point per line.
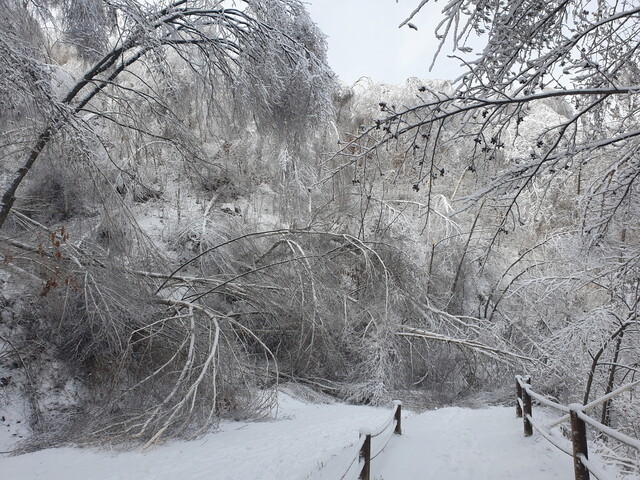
x=365, y=454
x=518, y=397
x=398, y=417
x=579, y=441
x=526, y=407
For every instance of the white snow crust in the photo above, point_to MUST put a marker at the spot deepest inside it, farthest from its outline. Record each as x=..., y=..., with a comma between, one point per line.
x=314, y=442
x=460, y=443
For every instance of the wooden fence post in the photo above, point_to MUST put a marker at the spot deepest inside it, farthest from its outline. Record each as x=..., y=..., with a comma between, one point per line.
x=526, y=407
x=398, y=417
x=579, y=441
x=365, y=454
x=518, y=397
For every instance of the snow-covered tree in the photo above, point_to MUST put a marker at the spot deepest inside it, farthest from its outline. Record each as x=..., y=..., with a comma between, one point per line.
x=577, y=56
x=133, y=53
x=545, y=123
x=107, y=105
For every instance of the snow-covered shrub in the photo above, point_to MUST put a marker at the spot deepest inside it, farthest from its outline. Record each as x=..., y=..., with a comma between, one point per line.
x=149, y=368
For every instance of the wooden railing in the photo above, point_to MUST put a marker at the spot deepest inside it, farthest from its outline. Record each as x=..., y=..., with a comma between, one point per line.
x=362, y=452
x=574, y=413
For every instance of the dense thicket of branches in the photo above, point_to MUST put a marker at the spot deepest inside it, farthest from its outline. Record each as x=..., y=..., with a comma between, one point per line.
x=167, y=260
x=135, y=51
x=176, y=240
x=108, y=105
x=541, y=137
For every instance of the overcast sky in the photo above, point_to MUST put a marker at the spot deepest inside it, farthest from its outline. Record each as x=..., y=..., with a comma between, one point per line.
x=364, y=39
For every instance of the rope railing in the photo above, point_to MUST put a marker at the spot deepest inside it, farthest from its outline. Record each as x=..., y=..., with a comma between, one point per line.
x=362, y=452
x=578, y=447
x=596, y=402
x=354, y=459
x=383, y=440
x=560, y=443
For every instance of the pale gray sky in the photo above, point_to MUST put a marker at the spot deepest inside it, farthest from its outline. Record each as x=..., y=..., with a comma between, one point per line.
x=364, y=39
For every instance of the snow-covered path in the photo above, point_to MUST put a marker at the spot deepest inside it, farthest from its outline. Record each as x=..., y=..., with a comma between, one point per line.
x=315, y=442
x=305, y=438
x=458, y=443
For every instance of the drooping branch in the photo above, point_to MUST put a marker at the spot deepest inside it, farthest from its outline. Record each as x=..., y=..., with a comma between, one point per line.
x=494, y=353
x=221, y=34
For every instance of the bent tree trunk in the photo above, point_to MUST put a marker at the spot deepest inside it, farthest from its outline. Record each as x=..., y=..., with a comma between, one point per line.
x=180, y=26
x=9, y=195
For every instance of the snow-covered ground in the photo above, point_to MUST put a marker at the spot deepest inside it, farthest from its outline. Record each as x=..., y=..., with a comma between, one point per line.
x=303, y=438
x=311, y=441
x=460, y=443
